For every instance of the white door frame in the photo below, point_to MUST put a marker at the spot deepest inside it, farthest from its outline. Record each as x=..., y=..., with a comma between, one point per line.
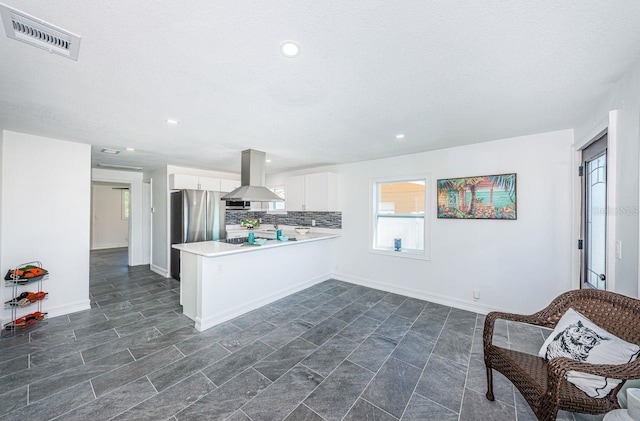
x=608, y=125
x=136, y=230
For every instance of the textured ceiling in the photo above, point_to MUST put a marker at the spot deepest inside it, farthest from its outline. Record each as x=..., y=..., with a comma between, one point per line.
x=442, y=72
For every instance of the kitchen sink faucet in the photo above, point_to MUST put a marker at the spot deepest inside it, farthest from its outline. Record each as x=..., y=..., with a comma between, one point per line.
x=275, y=222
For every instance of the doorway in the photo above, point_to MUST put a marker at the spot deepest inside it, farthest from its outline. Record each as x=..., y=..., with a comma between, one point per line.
x=110, y=211
x=594, y=215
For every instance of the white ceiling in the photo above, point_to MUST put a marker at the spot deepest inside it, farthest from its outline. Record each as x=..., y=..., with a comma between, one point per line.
x=442, y=72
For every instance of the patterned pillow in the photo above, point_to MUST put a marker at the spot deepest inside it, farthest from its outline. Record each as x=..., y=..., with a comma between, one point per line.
x=579, y=338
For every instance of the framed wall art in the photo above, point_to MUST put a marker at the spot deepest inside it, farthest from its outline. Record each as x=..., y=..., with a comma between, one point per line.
x=481, y=197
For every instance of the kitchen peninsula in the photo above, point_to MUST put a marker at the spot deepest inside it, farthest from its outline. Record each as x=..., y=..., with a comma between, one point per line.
x=220, y=281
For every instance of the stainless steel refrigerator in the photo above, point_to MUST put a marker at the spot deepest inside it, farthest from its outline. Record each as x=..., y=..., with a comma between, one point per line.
x=196, y=215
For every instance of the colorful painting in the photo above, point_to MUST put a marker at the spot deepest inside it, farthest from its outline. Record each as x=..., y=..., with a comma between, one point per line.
x=483, y=197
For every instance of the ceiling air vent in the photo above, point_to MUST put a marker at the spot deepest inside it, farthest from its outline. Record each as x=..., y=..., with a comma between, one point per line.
x=22, y=27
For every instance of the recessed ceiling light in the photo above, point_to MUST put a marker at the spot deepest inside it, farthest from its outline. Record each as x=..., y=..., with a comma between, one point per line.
x=130, y=149
x=110, y=151
x=172, y=121
x=290, y=49
x=267, y=161
x=400, y=136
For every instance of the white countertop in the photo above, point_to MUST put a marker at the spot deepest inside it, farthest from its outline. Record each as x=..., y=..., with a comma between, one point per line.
x=218, y=248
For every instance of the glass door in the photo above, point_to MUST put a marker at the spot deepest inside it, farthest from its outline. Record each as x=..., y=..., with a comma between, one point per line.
x=595, y=214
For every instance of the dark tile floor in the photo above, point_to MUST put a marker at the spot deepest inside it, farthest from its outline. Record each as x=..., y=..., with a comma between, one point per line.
x=335, y=351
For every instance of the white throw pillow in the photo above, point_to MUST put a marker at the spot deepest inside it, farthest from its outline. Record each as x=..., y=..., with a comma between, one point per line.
x=578, y=338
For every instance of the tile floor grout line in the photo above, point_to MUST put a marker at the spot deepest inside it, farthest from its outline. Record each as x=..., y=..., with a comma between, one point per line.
x=92, y=390
x=376, y=406
x=182, y=353
x=154, y=388
x=109, y=313
x=223, y=383
x=245, y=414
x=389, y=356
x=428, y=358
x=272, y=382
x=466, y=376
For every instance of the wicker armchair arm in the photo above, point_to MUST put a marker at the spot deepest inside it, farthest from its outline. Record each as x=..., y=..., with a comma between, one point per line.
x=524, y=318
x=558, y=367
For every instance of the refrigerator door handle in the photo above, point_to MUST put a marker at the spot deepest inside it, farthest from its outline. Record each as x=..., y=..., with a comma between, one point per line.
x=185, y=217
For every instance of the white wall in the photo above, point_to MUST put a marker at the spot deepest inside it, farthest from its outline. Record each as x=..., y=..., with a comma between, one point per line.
x=517, y=265
x=45, y=216
x=138, y=231
x=108, y=228
x=625, y=98
x=159, y=221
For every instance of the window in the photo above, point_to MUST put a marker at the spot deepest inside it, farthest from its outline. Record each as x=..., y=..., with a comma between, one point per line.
x=125, y=203
x=277, y=206
x=399, y=214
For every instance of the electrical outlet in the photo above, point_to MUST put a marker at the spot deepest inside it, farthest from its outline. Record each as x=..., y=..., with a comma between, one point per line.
x=476, y=294
x=313, y=222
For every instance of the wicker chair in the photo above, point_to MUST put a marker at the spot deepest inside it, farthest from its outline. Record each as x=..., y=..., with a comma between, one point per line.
x=542, y=383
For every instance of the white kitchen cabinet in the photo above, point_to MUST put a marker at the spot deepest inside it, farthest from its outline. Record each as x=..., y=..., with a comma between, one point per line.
x=312, y=192
x=294, y=193
x=193, y=182
x=227, y=186
x=208, y=183
x=183, y=181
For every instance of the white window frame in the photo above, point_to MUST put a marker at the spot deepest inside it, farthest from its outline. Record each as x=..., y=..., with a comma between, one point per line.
x=272, y=205
x=410, y=254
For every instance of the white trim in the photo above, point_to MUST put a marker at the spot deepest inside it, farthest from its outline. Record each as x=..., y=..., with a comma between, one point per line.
x=609, y=126
x=576, y=216
x=434, y=298
x=67, y=308
x=612, y=202
x=160, y=271
x=426, y=254
x=123, y=208
x=594, y=134
x=216, y=319
x=110, y=246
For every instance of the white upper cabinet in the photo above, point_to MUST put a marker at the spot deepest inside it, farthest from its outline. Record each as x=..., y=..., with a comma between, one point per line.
x=208, y=183
x=183, y=181
x=294, y=193
x=312, y=192
x=195, y=182
x=227, y=186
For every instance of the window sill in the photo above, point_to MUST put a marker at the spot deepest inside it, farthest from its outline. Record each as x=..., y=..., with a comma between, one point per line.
x=416, y=255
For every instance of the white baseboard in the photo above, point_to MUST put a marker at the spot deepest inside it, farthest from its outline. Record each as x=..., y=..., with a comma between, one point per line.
x=435, y=298
x=110, y=246
x=216, y=319
x=160, y=271
x=67, y=308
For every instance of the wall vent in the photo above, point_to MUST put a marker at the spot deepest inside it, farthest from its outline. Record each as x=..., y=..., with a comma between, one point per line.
x=22, y=27
x=120, y=167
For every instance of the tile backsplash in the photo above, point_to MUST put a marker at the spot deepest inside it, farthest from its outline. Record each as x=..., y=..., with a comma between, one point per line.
x=323, y=219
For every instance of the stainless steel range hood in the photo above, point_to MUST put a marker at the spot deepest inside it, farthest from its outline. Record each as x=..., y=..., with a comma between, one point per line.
x=252, y=180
